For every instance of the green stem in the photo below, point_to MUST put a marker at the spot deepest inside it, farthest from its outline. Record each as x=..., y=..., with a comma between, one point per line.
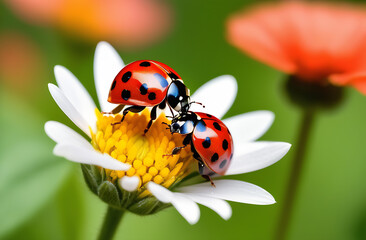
x=110, y=224
x=296, y=170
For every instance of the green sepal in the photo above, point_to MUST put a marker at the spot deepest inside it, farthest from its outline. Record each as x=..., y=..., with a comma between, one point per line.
x=159, y=207
x=115, y=196
x=128, y=197
x=92, y=178
x=107, y=192
x=144, y=206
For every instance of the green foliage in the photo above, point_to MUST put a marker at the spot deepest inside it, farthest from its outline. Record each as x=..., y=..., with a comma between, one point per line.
x=332, y=197
x=29, y=173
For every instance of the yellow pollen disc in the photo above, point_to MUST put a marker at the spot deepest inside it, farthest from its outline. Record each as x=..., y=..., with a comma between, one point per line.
x=127, y=143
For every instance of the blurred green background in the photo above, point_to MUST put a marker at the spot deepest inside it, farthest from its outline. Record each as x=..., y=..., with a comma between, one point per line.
x=45, y=197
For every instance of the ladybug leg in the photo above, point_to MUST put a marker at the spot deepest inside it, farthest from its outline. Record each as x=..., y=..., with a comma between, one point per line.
x=207, y=177
x=168, y=125
x=171, y=110
x=202, y=168
x=205, y=172
x=115, y=110
x=163, y=105
x=152, y=118
x=134, y=109
x=177, y=150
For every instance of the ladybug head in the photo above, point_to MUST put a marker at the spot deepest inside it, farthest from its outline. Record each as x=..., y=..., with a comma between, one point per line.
x=178, y=96
x=183, y=124
x=182, y=127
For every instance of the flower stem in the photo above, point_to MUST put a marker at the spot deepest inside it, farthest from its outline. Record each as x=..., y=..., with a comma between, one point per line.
x=296, y=170
x=110, y=224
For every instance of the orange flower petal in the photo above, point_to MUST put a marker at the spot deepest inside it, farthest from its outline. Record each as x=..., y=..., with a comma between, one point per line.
x=128, y=23
x=255, y=37
x=357, y=80
x=311, y=40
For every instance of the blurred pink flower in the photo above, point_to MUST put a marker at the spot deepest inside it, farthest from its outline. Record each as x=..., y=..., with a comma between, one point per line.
x=128, y=23
x=20, y=61
x=317, y=42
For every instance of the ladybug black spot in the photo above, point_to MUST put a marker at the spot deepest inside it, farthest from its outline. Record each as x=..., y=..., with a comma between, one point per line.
x=113, y=85
x=225, y=144
x=217, y=126
x=214, y=157
x=206, y=143
x=145, y=64
x=126, y=94
x=209, y=115
x=126, y=76
x=223, y=163
x=143, y=89
x=152, y=96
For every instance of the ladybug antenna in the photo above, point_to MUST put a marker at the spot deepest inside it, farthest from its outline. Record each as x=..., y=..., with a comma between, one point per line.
x=196, y=103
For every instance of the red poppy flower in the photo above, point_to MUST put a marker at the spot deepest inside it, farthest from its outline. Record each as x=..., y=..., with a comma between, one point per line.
x=316, y=42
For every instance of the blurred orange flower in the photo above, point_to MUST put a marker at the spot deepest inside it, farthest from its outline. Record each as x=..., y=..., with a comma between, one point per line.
x=128, y=23
x=317, y=42
x=21, y=62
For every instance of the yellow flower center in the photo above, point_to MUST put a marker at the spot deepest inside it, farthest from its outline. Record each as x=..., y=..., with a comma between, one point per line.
x=127, y=143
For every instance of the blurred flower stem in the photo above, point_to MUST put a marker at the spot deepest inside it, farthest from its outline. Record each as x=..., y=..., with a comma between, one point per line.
x=111, y=222
x=306, y=125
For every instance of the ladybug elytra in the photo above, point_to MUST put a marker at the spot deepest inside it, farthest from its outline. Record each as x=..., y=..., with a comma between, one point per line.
x=147, y=83
x=210, y=139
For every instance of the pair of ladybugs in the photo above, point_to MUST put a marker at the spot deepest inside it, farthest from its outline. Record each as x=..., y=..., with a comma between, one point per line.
x=148, y=83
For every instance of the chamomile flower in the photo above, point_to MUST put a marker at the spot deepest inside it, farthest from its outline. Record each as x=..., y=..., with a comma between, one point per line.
x=127, y=169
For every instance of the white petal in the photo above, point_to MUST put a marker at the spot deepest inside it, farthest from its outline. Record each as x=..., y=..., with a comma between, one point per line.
x=129, y=183
x=68, y=108
x=221, y=207
x=160, y=192
x=62, y=134
x=77, y=94
x=231, y=190
x=185, y=206
x=89, y=156
x=217, y=95
x=107, y=63
x=249, y=126
x=256, y=155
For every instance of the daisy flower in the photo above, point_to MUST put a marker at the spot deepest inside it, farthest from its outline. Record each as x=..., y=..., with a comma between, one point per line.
x=317, y=43
x=128, y=170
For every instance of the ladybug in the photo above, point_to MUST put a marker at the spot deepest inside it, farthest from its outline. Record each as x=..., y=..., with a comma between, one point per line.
x=148, y=83
x=210, y=140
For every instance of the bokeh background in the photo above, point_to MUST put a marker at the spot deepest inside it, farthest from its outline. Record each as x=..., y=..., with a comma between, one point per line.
x=45, y=197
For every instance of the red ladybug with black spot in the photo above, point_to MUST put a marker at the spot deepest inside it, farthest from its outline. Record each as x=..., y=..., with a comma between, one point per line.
x=148, y=83
x=210, y=139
